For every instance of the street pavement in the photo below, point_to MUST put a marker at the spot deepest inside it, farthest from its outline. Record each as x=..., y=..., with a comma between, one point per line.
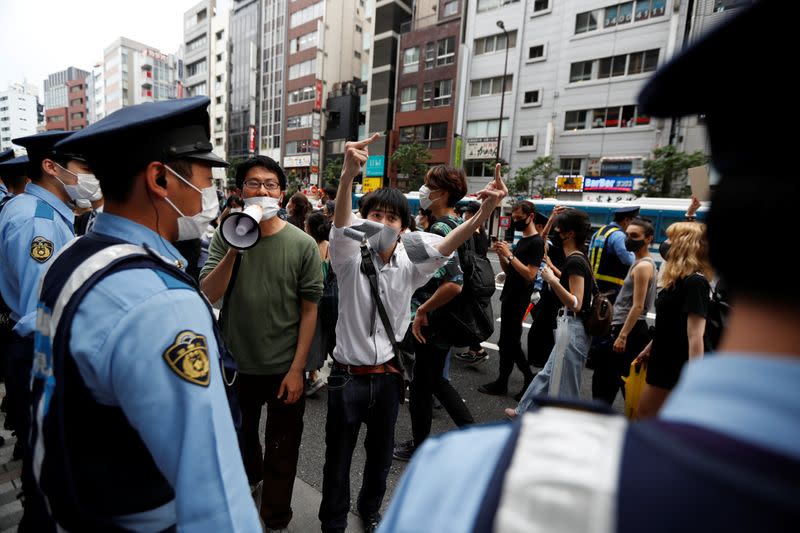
x=308, y=485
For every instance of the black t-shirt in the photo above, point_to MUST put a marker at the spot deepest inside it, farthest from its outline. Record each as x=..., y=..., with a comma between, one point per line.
x=673, y=306
x=481, y=243
x=529, y=251
x=577, y=265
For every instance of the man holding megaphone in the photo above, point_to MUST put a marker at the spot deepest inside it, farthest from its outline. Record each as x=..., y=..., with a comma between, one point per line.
x=270, y=276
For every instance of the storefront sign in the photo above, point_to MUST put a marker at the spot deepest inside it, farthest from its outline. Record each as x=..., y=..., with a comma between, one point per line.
x=569, y=183
x=481, y=148
x=371, y=184
x=375, y=165
x=609, y=184
x=294, y=161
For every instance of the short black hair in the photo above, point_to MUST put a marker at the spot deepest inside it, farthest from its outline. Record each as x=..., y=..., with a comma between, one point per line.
x=35, y=172
x=577, y=221
x=389, y=199
x=330, y=191
x=318, y=226
x=527, y=207
x=649, y=230
x=117, y=182
x=259, y=161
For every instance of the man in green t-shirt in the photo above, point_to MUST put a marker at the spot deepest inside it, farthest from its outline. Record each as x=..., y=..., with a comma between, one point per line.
x=268, y=320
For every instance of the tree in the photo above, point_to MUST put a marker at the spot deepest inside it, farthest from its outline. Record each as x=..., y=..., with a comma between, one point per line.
x=332, y=172
x=230, y=174
x=411, y=159
x=294, y=184
x=667, y=172
x=538, y=176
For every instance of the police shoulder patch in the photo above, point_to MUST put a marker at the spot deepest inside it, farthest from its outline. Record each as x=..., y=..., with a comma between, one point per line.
x=41, y=249
x=188, y=357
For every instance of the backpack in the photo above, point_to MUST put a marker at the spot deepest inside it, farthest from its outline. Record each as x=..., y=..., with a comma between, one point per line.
x=468, y=319
x=716, y=317
x=597, y=318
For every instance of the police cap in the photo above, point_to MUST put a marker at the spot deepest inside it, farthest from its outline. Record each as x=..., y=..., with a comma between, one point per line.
x=139, y=134
x=42, y=146
x=628, y=210
x=470, y=207
x=14, y=167
x=5, y=155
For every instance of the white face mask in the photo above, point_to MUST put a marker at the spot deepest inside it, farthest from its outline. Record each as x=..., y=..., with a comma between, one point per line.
x=269, y=205
x=87, y=188
x=193, y=227
x=425, y=201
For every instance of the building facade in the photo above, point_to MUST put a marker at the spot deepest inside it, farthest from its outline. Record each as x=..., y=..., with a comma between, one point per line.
x=65, y=100
x=18, y=115
x=245, y=23
x=96, y=94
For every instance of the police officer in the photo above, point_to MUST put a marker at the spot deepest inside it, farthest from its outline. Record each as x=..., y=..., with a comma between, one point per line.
x=724, y=453
x=133, y=428
x=607, y=254
x=34, y=226
x=5, y=155
x=12, y=177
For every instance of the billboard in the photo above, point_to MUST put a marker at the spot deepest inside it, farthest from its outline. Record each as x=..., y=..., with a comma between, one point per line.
x=569, y=183
x=609, y=184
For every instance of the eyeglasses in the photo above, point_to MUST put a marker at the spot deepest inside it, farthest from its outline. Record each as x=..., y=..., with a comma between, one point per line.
x=255, y=185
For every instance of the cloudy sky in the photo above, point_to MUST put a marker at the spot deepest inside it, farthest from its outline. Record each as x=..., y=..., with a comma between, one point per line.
x=39, y=37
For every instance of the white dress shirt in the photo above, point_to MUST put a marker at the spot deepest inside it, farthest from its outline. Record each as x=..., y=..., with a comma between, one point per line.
x=397, y=281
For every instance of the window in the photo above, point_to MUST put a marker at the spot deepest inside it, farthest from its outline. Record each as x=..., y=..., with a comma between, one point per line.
x=527, y=141
x=301, y=95
x=196, y=43
x=298, y=121
x=75, y=88
x=494, y=43
x=446, y=54
x=531, y=97
x=489, y=86
x=218, y=100
x=726, y=5
x=658, y=8
x=219, y=57
x=450, y=8
x=429, y=135
x=356, y=54
x=430, y=55
x=437, y=94
x=410, y=60
x=485, y=5
x=335, y=147
x=643, y=62
x=298, y=147
x=611, y=67
x=201, y=16
x=306, y=15
x=76, y=116
x=570, y=166
x=358, y=29
x=304, y=42
x=575, y=120
x=540, y=5
x=536, y=52
x=77, y=101
x=580, y=71
x=650, y=60
x=198, y=67
x=408, y=99
x=585, y=22
x=306, y=68
x=481, y=129
x=220, y=34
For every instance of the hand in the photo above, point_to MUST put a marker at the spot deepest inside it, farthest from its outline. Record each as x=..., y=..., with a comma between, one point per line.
x=420, y=321
x=291, y=386
x=495, y=191
x=549, y=276
x=355, y=155
x=619, y=344
x=501, y=248
x=693, y=207
x=557, y=210
x=643, y=357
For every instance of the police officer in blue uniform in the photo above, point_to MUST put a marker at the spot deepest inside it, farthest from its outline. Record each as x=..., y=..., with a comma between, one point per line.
x=724, y=452
x=12, y=177
x=5, y=155
x=34, y=226
x=133, y=428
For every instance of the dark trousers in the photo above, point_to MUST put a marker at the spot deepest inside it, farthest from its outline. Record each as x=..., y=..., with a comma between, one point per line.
x=428, y=380
x=277, y=465
x=610, y=366
x=354, y=400
x=512, y=309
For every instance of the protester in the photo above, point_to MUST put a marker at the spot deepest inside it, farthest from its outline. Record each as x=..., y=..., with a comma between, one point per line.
x=298, y=209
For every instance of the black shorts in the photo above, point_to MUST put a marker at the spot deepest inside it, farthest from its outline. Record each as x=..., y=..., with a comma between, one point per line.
x=664, y=369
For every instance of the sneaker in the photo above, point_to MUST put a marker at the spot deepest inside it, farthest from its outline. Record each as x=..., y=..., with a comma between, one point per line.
x=472, y=358
x=493, y=389
x=510, y=413
x=371, y=522
x=312, y=388
x=404, y=450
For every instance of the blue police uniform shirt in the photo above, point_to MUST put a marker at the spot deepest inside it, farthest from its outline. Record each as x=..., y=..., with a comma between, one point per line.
x=616, y=243
x=34, y=226
x=120, y=333
x=3, y=190
x=753, y=398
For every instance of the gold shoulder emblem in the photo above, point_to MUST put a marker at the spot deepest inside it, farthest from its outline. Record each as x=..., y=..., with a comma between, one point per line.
x=41, y=249
x=188, y=357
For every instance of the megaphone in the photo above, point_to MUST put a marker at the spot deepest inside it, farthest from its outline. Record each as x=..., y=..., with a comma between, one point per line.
x=241, y=229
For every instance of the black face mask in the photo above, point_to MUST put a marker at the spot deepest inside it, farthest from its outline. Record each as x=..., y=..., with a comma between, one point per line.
x=633, y=245
x=663, y=249
x=520, y=225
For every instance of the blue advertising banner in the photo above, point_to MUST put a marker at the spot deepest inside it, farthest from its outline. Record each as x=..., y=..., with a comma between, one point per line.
x=375, y=164
x=609, y=183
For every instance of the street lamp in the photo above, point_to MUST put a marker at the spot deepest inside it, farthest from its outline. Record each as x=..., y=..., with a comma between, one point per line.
x=503, y=91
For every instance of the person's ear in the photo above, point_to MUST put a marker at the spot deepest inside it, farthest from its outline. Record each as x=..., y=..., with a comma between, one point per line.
x=155, y=178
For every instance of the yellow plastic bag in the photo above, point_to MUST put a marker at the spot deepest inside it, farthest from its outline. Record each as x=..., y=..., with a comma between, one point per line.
x=633, y=388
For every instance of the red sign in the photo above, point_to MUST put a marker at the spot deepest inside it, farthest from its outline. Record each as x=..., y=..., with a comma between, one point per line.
x=318, y=91
x=505, y=222
x=252, y=139
x=315, y=143
x=314, y=170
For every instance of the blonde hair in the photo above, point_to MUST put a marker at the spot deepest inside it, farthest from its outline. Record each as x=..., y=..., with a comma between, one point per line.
x=688, y=253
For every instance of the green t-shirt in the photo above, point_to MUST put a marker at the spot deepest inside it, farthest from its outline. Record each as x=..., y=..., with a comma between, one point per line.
x=261, y=320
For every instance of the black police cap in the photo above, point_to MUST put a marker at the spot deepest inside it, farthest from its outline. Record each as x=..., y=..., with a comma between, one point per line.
x=5, y=155
x=14, y=167
x=139, y=134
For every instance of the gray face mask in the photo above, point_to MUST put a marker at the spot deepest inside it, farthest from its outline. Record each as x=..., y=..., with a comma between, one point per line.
x=379, y=236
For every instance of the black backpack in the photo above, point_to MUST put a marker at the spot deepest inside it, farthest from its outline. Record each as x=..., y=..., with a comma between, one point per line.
x=467, y=319
x=717, y=316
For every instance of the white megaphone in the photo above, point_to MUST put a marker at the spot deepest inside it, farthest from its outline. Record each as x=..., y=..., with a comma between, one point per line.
x=241, y=229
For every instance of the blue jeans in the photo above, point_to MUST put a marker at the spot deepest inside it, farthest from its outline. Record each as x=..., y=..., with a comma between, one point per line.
x=373, y=400
x=561, y=376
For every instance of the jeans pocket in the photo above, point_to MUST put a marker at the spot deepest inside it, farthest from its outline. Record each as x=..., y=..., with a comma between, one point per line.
x=338, y=381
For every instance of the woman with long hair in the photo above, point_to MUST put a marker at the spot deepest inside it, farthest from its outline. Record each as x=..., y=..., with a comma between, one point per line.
x=561, y=375
x=681, y=309
x=298, y=209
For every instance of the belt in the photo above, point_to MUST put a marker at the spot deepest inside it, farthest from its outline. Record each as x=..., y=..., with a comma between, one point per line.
x=363, y=370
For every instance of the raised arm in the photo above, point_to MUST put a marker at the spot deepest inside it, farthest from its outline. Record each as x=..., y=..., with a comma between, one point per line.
x=356, y=154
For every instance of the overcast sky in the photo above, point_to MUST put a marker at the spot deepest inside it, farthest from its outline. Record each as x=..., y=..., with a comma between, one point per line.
x=40, y=37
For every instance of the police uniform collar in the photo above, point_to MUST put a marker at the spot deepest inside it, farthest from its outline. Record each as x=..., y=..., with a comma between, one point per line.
x=52, y=200
x=127, y=230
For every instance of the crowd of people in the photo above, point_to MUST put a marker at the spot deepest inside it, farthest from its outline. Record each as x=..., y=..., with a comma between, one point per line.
x=138, y=358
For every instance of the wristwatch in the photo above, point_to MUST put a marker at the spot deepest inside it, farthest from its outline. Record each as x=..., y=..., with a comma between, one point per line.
x=510, y=257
